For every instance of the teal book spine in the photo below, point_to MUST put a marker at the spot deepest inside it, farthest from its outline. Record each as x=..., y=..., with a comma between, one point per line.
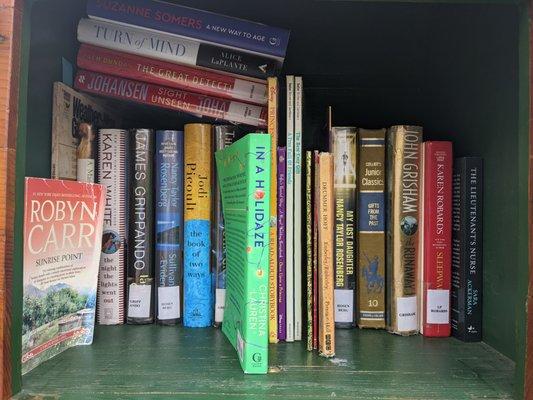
x=244, y=179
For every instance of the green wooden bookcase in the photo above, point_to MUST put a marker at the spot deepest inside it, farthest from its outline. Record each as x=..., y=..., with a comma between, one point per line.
x=458, y=68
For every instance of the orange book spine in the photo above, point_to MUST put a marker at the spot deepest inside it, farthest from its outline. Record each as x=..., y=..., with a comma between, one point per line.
x=326, y=326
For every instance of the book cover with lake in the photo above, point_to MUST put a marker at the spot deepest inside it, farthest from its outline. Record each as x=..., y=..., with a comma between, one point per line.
x=63, y=223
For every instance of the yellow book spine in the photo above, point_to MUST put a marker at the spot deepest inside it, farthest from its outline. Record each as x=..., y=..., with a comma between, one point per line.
x=326, y=324
x=197, y=284
x=272, y=86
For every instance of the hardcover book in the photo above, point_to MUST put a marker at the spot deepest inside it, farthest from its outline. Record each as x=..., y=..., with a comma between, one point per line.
x=224, y=136
x=282, y=245
x=62, y=241
x=289, y=213
x=371, y=233
x=163, y=73
x=75, y=118
x=344, y=142
x=244, y=180
x=174, y=49
x=86, y=155
x=298, y=207
x=403, y=193
x=273, y=270
x=309, y=184
x=435, y=239
x=112, y=277
x=168, y=224
x=189, y=22
x=169, y=98
x=326, y=307
x=198, y=294
x=141, y=228
x=467, y=249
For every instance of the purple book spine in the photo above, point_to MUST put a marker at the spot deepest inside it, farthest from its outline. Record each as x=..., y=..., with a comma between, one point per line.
x=282, y=298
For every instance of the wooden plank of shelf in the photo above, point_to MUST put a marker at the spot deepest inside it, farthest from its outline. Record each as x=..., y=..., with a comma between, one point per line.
x=174, y=362
x=10, y=25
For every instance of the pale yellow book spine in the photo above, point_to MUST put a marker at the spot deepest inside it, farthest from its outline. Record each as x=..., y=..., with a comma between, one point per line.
x=272, y=86
x=326, y=319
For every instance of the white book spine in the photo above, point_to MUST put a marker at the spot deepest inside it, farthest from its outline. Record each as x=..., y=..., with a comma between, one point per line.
x=289, y=292
x=137, y=41
x=112, y=174
x=298, y=99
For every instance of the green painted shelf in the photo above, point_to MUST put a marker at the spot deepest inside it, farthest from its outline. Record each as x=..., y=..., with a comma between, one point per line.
x=142, y=362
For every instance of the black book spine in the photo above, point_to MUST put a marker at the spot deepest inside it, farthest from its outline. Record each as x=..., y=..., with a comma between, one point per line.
x=237, y=62
x=467, y=249
x=169, y=225
x=141, y=228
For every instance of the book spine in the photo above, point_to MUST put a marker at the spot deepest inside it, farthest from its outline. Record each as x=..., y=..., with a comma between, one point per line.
x=371, y=233
x=112, y=174
x=198, y=296
x=257, y=274
x=316, y=212
x=190, y=22
x=467, y=249
x=173, y=49
x=344, y=142
x=435, y=239
x=169, y=224
x=289, y=230
x=309, y=245
x=163, y=73
x=141, y=228
x=282, y=245
x=169, y=98
x=224, y=136
x=298, y=109
x=326, y=325
x=403, y=186
x=273, y=271
x=86, y=154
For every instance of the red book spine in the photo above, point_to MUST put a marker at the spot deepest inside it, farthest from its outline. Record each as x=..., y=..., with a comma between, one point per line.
x=435, y=277
x=163, y=73
x=170, y=98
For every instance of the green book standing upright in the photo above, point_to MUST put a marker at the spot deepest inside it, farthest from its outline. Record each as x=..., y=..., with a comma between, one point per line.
x=244, y=179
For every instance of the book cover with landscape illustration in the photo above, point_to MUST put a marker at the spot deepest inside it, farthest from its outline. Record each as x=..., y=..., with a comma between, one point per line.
x=244, y=178
x=63, y=223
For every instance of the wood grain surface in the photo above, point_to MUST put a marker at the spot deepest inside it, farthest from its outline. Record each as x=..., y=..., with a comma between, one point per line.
x=10, y=27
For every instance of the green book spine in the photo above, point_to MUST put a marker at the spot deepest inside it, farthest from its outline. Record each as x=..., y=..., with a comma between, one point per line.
x=244, y=179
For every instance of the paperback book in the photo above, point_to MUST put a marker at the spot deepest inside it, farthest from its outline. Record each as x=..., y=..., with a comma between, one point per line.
x=112, y=276
x=75, y=119
x=282, y=245
x=168, y=224
x=198, y=301
x=63, y=224
x=244, y=178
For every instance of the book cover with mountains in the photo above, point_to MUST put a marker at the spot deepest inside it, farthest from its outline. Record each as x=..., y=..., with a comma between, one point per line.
x=63, y=222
